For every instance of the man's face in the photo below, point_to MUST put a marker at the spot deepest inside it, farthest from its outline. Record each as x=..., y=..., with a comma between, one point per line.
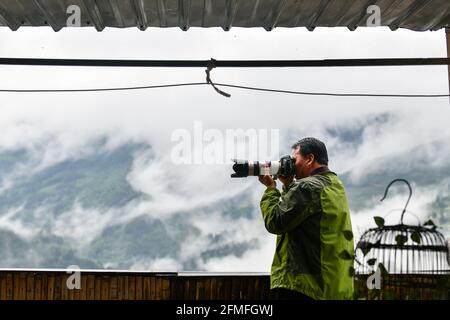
x=302, y=164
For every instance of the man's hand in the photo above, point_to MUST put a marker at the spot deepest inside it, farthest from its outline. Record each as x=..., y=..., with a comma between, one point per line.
x=267, y=181
x=286, y=181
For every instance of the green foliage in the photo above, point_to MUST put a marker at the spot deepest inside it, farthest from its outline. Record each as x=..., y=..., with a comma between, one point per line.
x=365, y=250
x=371, y=262
x=416, y=237
x=365, y=247
x=383, y=269
x=379, y=221
x=375, y=294
x=401, y=239
x=430, y=224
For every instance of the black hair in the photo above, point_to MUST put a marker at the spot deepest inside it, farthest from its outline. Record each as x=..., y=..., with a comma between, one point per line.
x=313, y=146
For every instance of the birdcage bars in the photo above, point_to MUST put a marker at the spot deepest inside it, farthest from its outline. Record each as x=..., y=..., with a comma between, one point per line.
x=403, y=249
x=428, y=256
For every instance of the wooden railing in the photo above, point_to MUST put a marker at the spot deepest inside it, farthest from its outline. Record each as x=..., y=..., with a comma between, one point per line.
x=406, y=287
x=51, y=284
x=127, y=285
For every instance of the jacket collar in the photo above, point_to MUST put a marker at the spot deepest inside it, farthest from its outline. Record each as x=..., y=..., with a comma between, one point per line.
x=320, y=170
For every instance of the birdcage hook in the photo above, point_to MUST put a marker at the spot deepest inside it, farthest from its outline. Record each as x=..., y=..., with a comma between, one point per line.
x=410, y=194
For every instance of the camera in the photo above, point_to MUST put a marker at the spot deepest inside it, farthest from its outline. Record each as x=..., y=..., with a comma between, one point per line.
x=283, y=167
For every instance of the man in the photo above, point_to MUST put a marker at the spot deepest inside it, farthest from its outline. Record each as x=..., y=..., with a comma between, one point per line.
x=314, y=249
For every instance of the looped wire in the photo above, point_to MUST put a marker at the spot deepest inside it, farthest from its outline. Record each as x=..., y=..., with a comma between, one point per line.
x=211, y=65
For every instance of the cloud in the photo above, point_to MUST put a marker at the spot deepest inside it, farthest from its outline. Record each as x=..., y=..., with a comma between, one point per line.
x=391, y=208
x=172, y=188
x=52, y=128
x=420, y=134
x=83, y=225
x=257, y=258
x=238, y=232
x=11, y=221
x=157, y=265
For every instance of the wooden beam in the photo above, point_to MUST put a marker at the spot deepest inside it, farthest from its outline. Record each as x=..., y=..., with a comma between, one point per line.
x=447, y=34
x=378, y=62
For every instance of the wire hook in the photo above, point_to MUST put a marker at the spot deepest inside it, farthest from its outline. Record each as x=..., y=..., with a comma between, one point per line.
x=211, y=65
x=410, y=194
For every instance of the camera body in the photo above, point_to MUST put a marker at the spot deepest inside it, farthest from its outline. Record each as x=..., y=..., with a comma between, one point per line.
x=283, y=167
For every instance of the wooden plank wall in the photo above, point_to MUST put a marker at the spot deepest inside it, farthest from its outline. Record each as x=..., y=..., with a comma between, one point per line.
x=51, y=285
x=406, y=287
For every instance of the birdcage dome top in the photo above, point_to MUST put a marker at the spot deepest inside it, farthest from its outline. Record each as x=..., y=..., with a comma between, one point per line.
x=403, y=248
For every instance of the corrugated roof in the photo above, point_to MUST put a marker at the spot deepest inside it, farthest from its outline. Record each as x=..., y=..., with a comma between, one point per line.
x=418, y=15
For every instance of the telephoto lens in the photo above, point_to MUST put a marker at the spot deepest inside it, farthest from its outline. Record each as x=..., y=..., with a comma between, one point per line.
x=245, y=168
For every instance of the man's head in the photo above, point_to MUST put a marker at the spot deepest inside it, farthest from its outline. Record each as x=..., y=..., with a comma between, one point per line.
x=309, y=154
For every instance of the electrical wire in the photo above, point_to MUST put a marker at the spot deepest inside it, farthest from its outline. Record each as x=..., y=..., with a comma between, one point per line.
x=229, y=86
x=336, y=94
x=107, y=89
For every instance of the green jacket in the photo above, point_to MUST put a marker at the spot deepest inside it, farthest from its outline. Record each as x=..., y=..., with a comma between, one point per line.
x=314, y=247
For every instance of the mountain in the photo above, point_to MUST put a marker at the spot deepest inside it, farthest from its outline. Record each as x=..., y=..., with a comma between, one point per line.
x=99, y=183
x=34, y=206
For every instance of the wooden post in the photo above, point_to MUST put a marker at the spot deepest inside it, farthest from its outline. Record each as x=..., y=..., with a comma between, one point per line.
x=447, y=34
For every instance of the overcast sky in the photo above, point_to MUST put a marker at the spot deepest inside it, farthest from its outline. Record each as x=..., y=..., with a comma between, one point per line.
x=156, y=113
x=58, y=126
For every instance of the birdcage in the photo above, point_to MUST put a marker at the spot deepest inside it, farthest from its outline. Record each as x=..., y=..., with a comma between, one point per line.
x=402, y=248
x=414, y=259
